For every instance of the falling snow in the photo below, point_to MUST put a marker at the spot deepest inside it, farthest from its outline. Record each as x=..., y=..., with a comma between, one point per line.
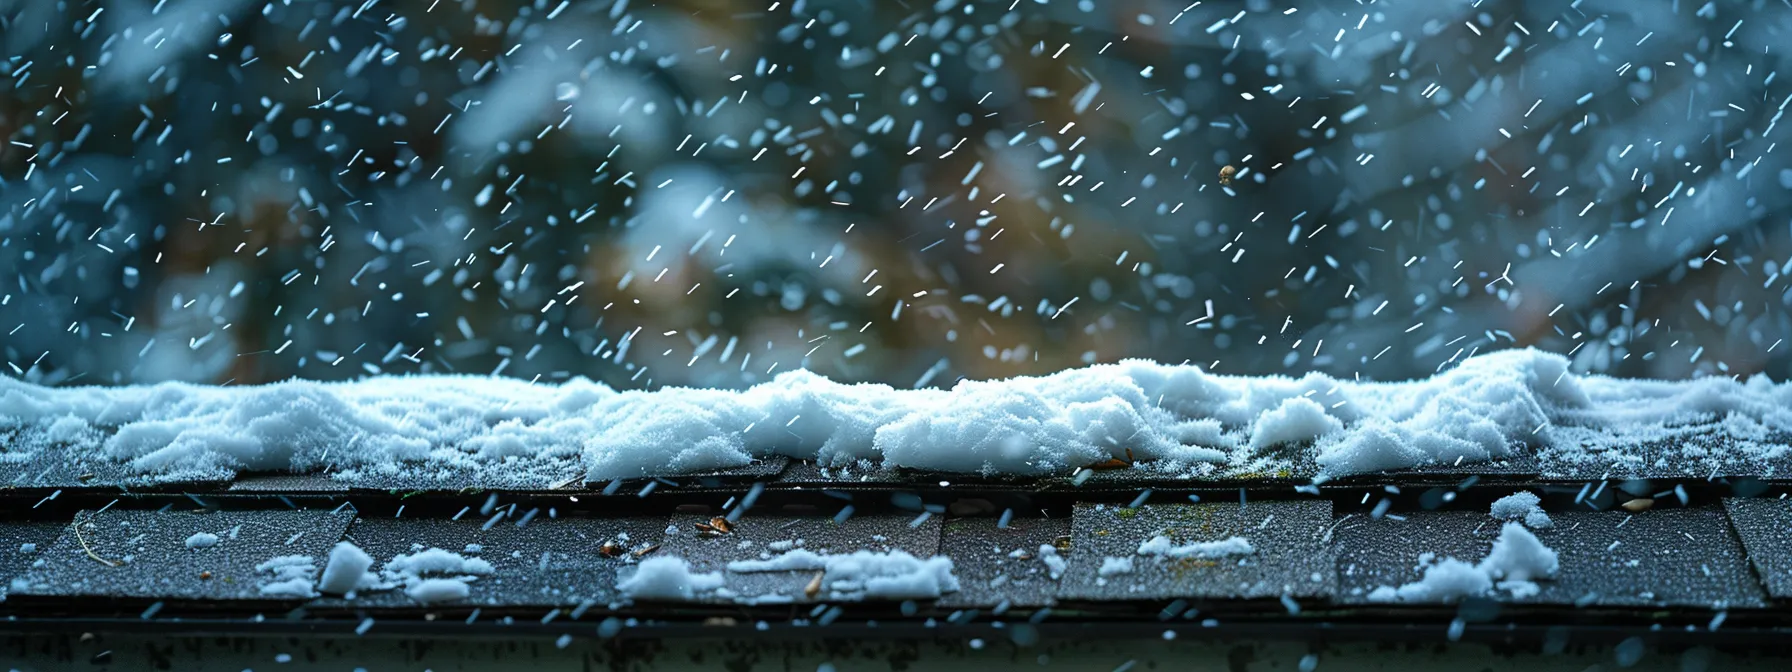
x=230, y=193
x=530, y=243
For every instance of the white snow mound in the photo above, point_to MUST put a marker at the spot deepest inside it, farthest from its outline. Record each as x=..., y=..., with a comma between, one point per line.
x=1518, y=557
x=1522, y=506
x=346, y=570
x=1488, y=407
x=291, y=576
x=667, y=578
x=425, y=575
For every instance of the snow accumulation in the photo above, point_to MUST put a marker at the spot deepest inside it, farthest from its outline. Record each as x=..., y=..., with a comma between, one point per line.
x=436, y=561
x=1111, y=566
x=1522, y=506
x=1161, y=546
x=893, y=575
x=1054, y=564
x=430, y=591
x=346, y=570
x=291, y=576
x=1518, y=558
x=425, y=575
x=1488, y=407
x=202, y=540
x=667, y=578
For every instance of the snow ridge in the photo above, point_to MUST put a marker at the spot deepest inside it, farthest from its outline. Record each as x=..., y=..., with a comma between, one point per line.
x=1179, y=417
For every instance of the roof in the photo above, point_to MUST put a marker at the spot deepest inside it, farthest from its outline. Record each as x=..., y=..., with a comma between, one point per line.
x=1704, y=553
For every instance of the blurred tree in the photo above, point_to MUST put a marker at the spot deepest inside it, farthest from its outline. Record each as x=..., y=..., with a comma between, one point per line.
x=698, y=192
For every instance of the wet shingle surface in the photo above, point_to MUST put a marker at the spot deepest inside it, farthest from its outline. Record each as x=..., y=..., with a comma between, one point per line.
x=1287, y=558
x=145, y=554
x=1661, y=557
x=995, y=564
x=23, y=544
x=764, y=537
x=1765, y=527
x=578, y=568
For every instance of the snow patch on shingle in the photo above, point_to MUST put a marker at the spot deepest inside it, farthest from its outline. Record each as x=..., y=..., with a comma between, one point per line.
x=1517, y=559
x=667, y=578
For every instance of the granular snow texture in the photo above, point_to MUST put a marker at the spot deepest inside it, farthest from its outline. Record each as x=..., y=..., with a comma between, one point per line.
x=1489, y=407
x=1522, y=506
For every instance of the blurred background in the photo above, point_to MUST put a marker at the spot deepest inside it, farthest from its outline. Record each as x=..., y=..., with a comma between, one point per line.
x=708, y=192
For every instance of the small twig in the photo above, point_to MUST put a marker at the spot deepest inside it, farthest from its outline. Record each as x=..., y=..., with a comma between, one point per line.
x=89, y=549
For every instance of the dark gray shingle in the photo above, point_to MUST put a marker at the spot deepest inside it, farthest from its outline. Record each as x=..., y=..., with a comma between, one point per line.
x=23, y=544
x=576, y=569
x=983, y=558
x=143, y=554
x=761, y=537
x=1765, y=527
x=1289, y=557
x=1664, y=556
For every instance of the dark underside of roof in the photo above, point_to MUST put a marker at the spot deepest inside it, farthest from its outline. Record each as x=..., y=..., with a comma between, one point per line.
x=1707, y=563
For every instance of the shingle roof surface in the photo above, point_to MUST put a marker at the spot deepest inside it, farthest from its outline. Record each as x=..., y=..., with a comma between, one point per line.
x=1320, y=551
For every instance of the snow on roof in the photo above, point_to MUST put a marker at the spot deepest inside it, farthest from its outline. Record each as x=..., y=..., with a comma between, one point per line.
x=1523, y=506
x=1487, y=407
x=1162, y=546
x=864, y=573
x=346, y=570
x=291, y=576
x=667, y=578
x=1517, y=558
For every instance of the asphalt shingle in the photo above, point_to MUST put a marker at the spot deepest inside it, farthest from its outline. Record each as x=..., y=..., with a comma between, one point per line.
x=22, y=544
x=530, y=473
x=996, y=565
x=1698, y=450
x=578, y=567
x=810, y=473
x=1765, y=527
x=290, y=484
x=1287, y=558
x=764, y=537
x=1664, y=556
x=146, y=554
